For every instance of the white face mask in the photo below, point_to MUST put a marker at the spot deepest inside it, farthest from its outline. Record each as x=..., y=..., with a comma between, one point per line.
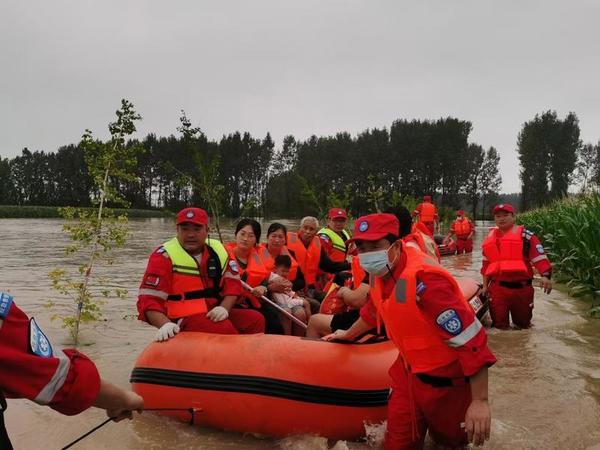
x=375, y=263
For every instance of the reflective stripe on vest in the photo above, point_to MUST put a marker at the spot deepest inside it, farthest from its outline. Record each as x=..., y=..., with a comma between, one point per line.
x=188, y=292
x=462, y=227
x=308, y=258
x=505, y=254
x=269, y=262
x=427, y=212
x=414, y=334
x=339, y=244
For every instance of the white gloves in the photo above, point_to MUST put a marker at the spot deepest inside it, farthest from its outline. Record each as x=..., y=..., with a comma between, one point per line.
x=217, y=314
x=167, y=331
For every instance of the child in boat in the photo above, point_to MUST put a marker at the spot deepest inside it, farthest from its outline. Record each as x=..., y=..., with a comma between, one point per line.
x=289, y=300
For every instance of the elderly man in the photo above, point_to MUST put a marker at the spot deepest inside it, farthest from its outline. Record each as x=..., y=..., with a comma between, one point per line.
x=191, y=285
x=508, y=253
x=310, y=254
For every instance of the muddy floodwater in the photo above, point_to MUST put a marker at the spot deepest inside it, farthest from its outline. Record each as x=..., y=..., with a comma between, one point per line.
x=544, y=390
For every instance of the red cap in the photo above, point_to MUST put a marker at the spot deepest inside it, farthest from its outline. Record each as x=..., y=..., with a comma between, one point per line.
x=427, y=198
x=375, y=226
x=460, y=212
x=503, y=207
x=192, y=215
x=335, y=213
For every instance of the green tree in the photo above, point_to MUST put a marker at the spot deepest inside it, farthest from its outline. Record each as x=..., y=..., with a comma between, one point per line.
x=490, y=180
x=547, y=149
x=95, y=233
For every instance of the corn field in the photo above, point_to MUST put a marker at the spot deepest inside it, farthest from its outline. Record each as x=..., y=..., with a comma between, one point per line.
x=570, y=231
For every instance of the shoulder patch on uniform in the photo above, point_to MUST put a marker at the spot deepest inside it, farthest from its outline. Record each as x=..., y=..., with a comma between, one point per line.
x=161, y=250
x=421, y=287
x=449, y=321
x=539, y=248
x=324, y=237
x=151, y=280
x=38, y=342
x=6, y=301
x=234, y=266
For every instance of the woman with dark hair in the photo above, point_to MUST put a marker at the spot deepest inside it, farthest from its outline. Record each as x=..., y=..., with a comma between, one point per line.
x=244, y=250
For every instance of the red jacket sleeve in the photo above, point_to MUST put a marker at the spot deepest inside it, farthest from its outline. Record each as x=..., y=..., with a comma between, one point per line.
x=537, y=255
x=469, y=340
x=326, y=244
x=230, y=282
x=155, y=285
x=65, y=380
x=368, y=313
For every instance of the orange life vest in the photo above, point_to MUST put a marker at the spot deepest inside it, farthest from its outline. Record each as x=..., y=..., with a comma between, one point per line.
x=269, y=263
x=414, y=334
x=427, y=212
x=462, y=227
x=505, y=254
x=358, y=273
x=425, y=242
x=308, y=258
x=188, y=292
x=332, y=304
x=254, y=273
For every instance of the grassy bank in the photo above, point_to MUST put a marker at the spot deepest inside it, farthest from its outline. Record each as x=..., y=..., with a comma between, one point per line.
x=46, y=212
x=570, y=231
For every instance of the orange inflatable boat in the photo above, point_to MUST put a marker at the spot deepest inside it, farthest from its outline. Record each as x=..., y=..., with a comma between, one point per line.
x=269, y=384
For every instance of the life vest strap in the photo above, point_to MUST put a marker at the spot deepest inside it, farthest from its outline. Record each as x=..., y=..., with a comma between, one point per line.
x=192, y=295
x=441, y=382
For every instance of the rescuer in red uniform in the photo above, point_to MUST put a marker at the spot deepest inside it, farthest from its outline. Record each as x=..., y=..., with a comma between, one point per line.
x=65, y=380
x=426, y=213
x=508, y=253
x=439, y=381
x=190, y=284
x=464, y=230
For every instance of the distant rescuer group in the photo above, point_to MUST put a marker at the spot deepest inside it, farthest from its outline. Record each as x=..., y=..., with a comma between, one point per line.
x=194, y=283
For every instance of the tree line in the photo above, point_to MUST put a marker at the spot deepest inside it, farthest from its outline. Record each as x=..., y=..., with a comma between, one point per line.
x=376, y=169
x=244, y=175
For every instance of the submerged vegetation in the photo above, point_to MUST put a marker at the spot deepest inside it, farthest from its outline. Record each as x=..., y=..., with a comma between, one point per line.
x=569, y=229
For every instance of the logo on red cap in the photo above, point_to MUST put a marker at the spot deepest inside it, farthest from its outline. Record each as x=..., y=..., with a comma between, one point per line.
x=363, y=226
x=189, y=214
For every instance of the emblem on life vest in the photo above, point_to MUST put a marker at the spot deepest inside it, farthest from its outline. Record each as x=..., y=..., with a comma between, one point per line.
x=38, y=342
x=189, y=214
x=233, y=266
x=363, y=226
x=449, y=321
x=540, y=249
x=5, y=302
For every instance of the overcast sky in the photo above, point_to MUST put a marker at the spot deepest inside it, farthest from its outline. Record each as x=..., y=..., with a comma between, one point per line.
x=301, y=68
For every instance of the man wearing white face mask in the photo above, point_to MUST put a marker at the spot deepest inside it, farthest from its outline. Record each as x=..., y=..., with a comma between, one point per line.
x=439, y=381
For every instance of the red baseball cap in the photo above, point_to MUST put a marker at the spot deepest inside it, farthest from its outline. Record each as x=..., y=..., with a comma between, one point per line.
x=460, y=212
x=375, y=226
x=335, y=213
x=503, y=207
x=192, y=215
